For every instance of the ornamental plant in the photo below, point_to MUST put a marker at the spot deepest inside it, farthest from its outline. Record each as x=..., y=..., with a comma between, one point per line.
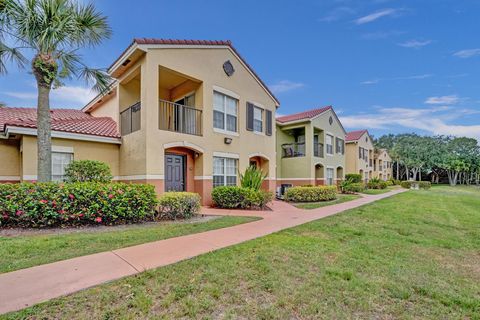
x=88, y=170
x=233, y=197
x=311, y=194
x=179, y=205
x=252, y=178
x=39, y=205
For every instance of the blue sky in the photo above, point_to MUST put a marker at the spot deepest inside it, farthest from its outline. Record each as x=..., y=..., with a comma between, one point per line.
x=388, y=66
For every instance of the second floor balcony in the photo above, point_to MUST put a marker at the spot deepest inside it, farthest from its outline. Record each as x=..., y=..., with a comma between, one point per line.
x=293, y=150
x=318, y=150
x=180, y=118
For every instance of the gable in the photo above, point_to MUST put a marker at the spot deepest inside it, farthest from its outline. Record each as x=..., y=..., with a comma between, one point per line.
x=323, y=121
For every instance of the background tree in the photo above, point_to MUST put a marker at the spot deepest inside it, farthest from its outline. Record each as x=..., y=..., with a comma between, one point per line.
x=50, y=32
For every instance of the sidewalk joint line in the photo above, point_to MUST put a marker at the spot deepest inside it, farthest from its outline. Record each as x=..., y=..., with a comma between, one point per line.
x=131, y=265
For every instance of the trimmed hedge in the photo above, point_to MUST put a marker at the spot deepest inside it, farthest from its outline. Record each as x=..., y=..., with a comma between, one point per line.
x=88, y=170
x=233, y=197
x=351, y=187
x=421, y=184
x=51, y=204
x=376, y=184
x=311, y=194
x=354, y=177
x=179, y=205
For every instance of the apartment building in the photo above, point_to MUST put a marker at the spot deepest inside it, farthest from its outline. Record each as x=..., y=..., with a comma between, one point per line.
x=360, y=154
x=382, y=165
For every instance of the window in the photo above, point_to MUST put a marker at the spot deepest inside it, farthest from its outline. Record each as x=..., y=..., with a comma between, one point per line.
x=224, y=112
x=60, y=160
x=130, y=119
x=329, y=142
x=257, y=119
x=330, y=176
x=224, y=172
x=360, y=153
x=340, y=146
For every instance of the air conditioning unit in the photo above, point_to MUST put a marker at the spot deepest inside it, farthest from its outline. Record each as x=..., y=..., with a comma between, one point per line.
x=281, y=190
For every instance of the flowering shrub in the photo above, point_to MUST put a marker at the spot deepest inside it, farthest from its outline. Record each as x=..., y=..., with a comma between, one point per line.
x=232, y=197
x=179, y=205
x=71, y=204
x=311, y=194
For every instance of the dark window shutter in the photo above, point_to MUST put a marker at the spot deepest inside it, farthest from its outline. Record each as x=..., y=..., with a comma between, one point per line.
x=249, y=116
x=268, y=129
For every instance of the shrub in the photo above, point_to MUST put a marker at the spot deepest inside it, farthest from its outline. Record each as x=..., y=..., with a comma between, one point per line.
x=73, y=204
x=88, y=170
x=311, y=194
x=179, y=205
x=252, y=178
x=351, y=187
x=376, y=183
x=421, y=184
x=233, y=197
x=354, y=177
x=389, y=183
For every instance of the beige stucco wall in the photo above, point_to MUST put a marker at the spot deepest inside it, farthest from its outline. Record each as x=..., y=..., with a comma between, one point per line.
x=304, y=167
x=82, y=150
x=353, y=163
x=10, y=163
x=381, y=157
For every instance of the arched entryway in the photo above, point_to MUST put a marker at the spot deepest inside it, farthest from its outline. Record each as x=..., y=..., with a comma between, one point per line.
x=262, y=162
x=319, y=174
x=340, y=174
x=182, y=163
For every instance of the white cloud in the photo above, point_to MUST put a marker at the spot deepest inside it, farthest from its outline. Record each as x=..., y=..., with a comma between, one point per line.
x=21, y=95
x=336, y=14
x=435, y=120
x=468, y=53
x=415, y=43
x=376, y=15
x=370, y=82
x=414, y=77
x=73, y=94
x=446, y=100
x=284, y=86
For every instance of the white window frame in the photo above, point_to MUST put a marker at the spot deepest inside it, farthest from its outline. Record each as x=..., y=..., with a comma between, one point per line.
x=61, y=177
x=225, y=113
x=331, y=144
x=330, y=180
x=225, y=174
x=255, y=108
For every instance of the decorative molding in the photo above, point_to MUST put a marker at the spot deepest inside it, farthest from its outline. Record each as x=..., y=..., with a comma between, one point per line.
x=63, y=135
x=227, y=92
x=62, y=149
x=9, y=178
x=29, y=177
x=203, y=178
x=141, y=177
x=184, y=144
x=225, y=132
x=258, y=154
x=226, y=155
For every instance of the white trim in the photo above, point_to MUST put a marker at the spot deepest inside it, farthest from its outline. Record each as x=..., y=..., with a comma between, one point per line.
x=225, y=132
x=63, y=135
x=227, y=92
x=141, y=177
x=270, y=178
x=185, y=144
x=62, y=149
x=258, y=154
x=297, y=179
x=226, y=155
x=30, y=177
x=203, y=178
x=9, y=178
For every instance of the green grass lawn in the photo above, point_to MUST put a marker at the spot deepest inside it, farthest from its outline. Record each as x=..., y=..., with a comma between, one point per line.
x=341, y=198
x=412, y=256
x=379, y=191
x=26, y=251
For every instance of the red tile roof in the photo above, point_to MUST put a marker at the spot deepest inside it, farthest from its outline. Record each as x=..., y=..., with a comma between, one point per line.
x=303, y=115
x=355, y=135
x=64, y=120
x=228, y=43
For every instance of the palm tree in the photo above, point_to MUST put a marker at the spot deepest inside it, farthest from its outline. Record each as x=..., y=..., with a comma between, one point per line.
x=50, y=32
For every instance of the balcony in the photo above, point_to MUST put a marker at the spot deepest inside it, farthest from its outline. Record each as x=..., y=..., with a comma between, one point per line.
x=179, y=118
x=293, y=150
x=318, y=150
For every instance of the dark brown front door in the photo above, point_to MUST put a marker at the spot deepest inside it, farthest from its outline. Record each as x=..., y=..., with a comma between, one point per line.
x=174, y=172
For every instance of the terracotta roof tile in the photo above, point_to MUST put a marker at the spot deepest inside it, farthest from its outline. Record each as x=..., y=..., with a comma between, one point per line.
x=64, y=120
x=355, y=135
x=303, y=115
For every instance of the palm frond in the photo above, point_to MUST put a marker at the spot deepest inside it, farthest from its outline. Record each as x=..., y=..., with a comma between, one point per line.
x=8, y=54
x=100, y=79
x=92, y=27
x=69, y=64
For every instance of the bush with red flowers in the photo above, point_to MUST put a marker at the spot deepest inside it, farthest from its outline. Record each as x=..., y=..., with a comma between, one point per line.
x=39, y=205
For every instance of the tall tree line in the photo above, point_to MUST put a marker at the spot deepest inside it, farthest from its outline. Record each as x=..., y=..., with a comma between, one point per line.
x=415, y=156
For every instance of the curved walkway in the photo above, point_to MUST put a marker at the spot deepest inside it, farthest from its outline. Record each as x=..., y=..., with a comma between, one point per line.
x=23, y=288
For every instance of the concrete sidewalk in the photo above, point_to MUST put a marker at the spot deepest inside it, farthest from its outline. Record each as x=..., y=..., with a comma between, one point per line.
x=23, y=288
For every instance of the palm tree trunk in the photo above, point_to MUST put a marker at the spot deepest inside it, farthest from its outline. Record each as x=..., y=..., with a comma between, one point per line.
x=44, y=143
